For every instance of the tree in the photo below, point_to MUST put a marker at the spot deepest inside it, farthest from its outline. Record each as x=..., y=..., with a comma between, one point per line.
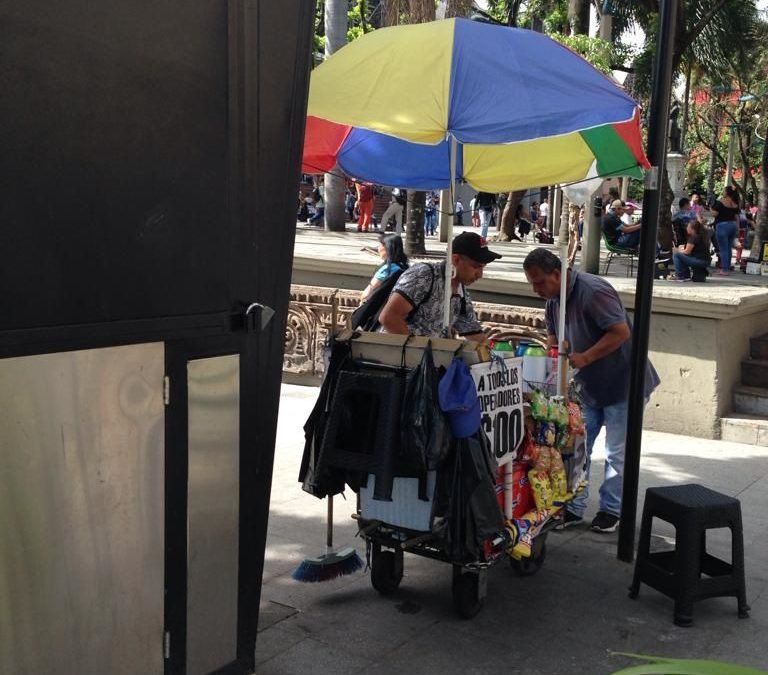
x=458, y=8
x=420, y=11
x=762, y=218
x=335, y=38
x=705, y=34
x=390, y=12
x=578, y=17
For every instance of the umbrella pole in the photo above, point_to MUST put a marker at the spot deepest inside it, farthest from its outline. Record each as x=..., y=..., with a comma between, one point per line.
x=449, y=247
x=562, y=347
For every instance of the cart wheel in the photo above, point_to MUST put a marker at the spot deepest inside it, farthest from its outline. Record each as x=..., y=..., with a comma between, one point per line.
x=466, y=597
x=527, y=567
x=386, y=571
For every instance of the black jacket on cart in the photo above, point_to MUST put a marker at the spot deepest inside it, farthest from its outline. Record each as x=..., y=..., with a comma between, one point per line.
x=318, y=480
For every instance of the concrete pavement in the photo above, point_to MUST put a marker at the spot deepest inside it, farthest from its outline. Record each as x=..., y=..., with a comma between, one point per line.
x=565, y=620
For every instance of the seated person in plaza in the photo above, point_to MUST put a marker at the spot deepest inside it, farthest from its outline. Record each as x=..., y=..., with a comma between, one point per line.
x=618, y=233
x=695, y=253
x=415, y=306
x=393, y=260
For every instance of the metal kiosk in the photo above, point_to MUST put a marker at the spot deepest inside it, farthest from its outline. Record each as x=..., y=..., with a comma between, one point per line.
x=149, y=160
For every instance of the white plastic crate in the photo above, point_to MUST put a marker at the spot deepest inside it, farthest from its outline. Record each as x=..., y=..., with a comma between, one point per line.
x=406, y=509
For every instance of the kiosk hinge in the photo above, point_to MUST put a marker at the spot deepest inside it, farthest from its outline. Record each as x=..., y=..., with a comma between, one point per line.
x=166, y=390
x=167, y=644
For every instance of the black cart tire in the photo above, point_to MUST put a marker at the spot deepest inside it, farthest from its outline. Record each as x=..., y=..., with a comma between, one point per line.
x=386, y=573
x=527, y=567
x=466, y=598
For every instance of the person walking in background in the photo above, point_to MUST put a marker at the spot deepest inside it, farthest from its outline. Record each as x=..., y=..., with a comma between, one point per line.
x=726, y=227
x=459, y=213
x=534, y=210
x=430, y=214
x=599, y=335
x=349, y=203
x=543, y=214
x=474, y=214
x=694, y=253
x=486, y=203
x=395, y=209
x=364, y=205
x=393, y=259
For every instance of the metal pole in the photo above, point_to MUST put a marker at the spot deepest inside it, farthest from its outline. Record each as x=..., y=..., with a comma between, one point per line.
x=593, y=222
x=562, y=347
x=657, y=147
x=449, y=247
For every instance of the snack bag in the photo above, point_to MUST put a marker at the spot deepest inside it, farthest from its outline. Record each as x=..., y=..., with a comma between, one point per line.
x=557, y=477
x=527, y=451
x=539, y=479
x=547, y=434
x=539, y=406
x=523, y=540
x=575, y=420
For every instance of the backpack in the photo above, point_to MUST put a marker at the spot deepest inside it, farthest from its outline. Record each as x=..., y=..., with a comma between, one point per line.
x=366, y=316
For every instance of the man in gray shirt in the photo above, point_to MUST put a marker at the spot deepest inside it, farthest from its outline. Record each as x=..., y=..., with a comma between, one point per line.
x=598, y=332
x=415, y=305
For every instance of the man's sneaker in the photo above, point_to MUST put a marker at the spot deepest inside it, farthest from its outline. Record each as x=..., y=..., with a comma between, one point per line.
x=605, y=522
x=568, y=520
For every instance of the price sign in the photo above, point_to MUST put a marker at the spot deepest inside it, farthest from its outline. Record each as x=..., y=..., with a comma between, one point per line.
x=499, y=388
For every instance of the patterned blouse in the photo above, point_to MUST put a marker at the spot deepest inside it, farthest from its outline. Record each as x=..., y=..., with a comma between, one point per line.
x=427, y=318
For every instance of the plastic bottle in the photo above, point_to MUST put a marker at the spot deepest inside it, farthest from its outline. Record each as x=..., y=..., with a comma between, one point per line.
x=535, y=364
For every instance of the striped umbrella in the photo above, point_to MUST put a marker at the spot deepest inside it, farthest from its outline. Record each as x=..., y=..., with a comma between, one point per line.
x=517, y=108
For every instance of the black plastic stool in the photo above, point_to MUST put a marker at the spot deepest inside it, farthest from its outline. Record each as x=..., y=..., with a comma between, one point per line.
x=692, y=509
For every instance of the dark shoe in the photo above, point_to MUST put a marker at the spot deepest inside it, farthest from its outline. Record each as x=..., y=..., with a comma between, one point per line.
x=569, y=519
x=605, y=522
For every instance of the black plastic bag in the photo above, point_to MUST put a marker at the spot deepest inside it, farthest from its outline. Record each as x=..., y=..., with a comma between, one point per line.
x=465, y=511
x=425, y=434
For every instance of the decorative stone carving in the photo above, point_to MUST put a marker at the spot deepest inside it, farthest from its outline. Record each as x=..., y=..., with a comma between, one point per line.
x=316, y=311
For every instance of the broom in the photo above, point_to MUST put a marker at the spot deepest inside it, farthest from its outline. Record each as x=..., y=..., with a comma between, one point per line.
x=331, y=565
x=334, y=563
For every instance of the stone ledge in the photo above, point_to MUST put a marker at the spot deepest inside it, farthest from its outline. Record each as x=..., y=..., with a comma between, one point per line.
x=349, y=255
x=315, y=311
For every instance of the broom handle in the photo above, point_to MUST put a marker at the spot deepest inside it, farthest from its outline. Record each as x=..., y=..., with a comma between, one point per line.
x=334, y=326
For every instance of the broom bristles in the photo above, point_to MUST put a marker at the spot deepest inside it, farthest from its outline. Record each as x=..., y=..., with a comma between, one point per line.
x=328, y=566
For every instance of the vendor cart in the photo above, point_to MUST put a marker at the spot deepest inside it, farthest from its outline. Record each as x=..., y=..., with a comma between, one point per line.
x=399, y=508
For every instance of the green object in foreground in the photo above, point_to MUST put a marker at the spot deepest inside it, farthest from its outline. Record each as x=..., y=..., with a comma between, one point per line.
x=668, y=666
